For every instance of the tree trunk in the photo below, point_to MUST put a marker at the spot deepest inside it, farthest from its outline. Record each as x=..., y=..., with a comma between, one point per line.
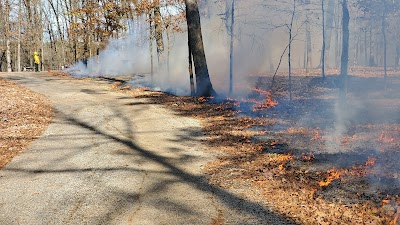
x=151, y=49
x=203, y=82
x=323, y=40
x=290, y=50
x=8, y=55
x=19, y=36
x=365, y=47
x=327, y=30
x=345, y=49
x=7, y=35
x=384, y=43
x=397, y=56
x=192, y=89
x=231, y=32
x=308, y=46
x=337, y=38
x=371, y=61
x=158, y=30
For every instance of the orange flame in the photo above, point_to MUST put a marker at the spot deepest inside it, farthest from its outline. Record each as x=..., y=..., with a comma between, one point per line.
x=370, y=162
x=332, y=175
x=308, y=157
x=383, y=138
x=316, y=136
x=202, y=99
x=396, y=217
x=268, y=103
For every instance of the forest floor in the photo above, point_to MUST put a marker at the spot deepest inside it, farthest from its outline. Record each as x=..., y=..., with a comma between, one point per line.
x=24, y=115
x=312, y=160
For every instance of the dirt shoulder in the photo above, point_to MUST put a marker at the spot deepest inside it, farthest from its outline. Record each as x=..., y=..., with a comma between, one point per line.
x=24, y=115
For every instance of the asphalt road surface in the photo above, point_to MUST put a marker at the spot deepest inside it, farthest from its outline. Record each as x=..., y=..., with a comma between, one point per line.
x=108, y=158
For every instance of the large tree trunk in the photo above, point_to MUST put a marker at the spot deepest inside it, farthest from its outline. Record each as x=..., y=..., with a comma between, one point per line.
x=8, y=55
x=158, y=30
x=191, y=80
x=203, y=82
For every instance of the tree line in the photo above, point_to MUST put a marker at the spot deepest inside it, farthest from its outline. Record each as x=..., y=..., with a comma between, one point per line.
x=67, y=31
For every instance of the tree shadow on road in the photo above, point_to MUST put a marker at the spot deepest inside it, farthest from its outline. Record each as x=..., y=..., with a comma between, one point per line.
x=175, y=174
x=199, y=182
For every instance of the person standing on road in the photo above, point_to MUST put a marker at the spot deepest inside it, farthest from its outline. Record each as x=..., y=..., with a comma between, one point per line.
x=36, y=60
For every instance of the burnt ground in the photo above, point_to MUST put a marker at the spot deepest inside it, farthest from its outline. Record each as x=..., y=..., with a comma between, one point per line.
x=303, y=158
x=311, y=160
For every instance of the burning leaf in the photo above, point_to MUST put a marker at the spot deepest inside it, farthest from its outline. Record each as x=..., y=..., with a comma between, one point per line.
x=332, y=175
x=202, y=99
x=396, y=217
x=370, y=162
x=384, y=138
x=308, y=157
x=316, y=136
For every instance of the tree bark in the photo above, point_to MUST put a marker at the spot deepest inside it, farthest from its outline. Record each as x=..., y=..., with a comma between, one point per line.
x=345, y=48
x=323, y=40
x=19, y=36
x=151, y=49
x=191, y=78
x=337, y=38
x=308, y=44
x=231, y=32
x=7, y=35
x=384, y=41
x=158, y=30
x=203, y=82
x=290, y=27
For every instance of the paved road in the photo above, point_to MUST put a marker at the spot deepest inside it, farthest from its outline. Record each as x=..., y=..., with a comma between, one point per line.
x=108, y=158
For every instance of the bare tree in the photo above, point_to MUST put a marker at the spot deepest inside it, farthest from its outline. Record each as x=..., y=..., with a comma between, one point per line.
x=230, y=22
x=345, y=49
x=290, y=29
x=308, y=53
x=323, y=39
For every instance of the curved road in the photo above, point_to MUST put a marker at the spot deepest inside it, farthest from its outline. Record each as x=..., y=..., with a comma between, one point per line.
x=108, y=158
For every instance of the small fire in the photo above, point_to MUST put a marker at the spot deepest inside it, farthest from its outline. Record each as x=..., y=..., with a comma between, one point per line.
x=316, y=136
x=332, y=175
x=268, y=103
x=202, y=99
x=370, y=162
x=396, y=217
x=356, y=170
x=308, y=157
x=384, y=138
x=282, y=160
